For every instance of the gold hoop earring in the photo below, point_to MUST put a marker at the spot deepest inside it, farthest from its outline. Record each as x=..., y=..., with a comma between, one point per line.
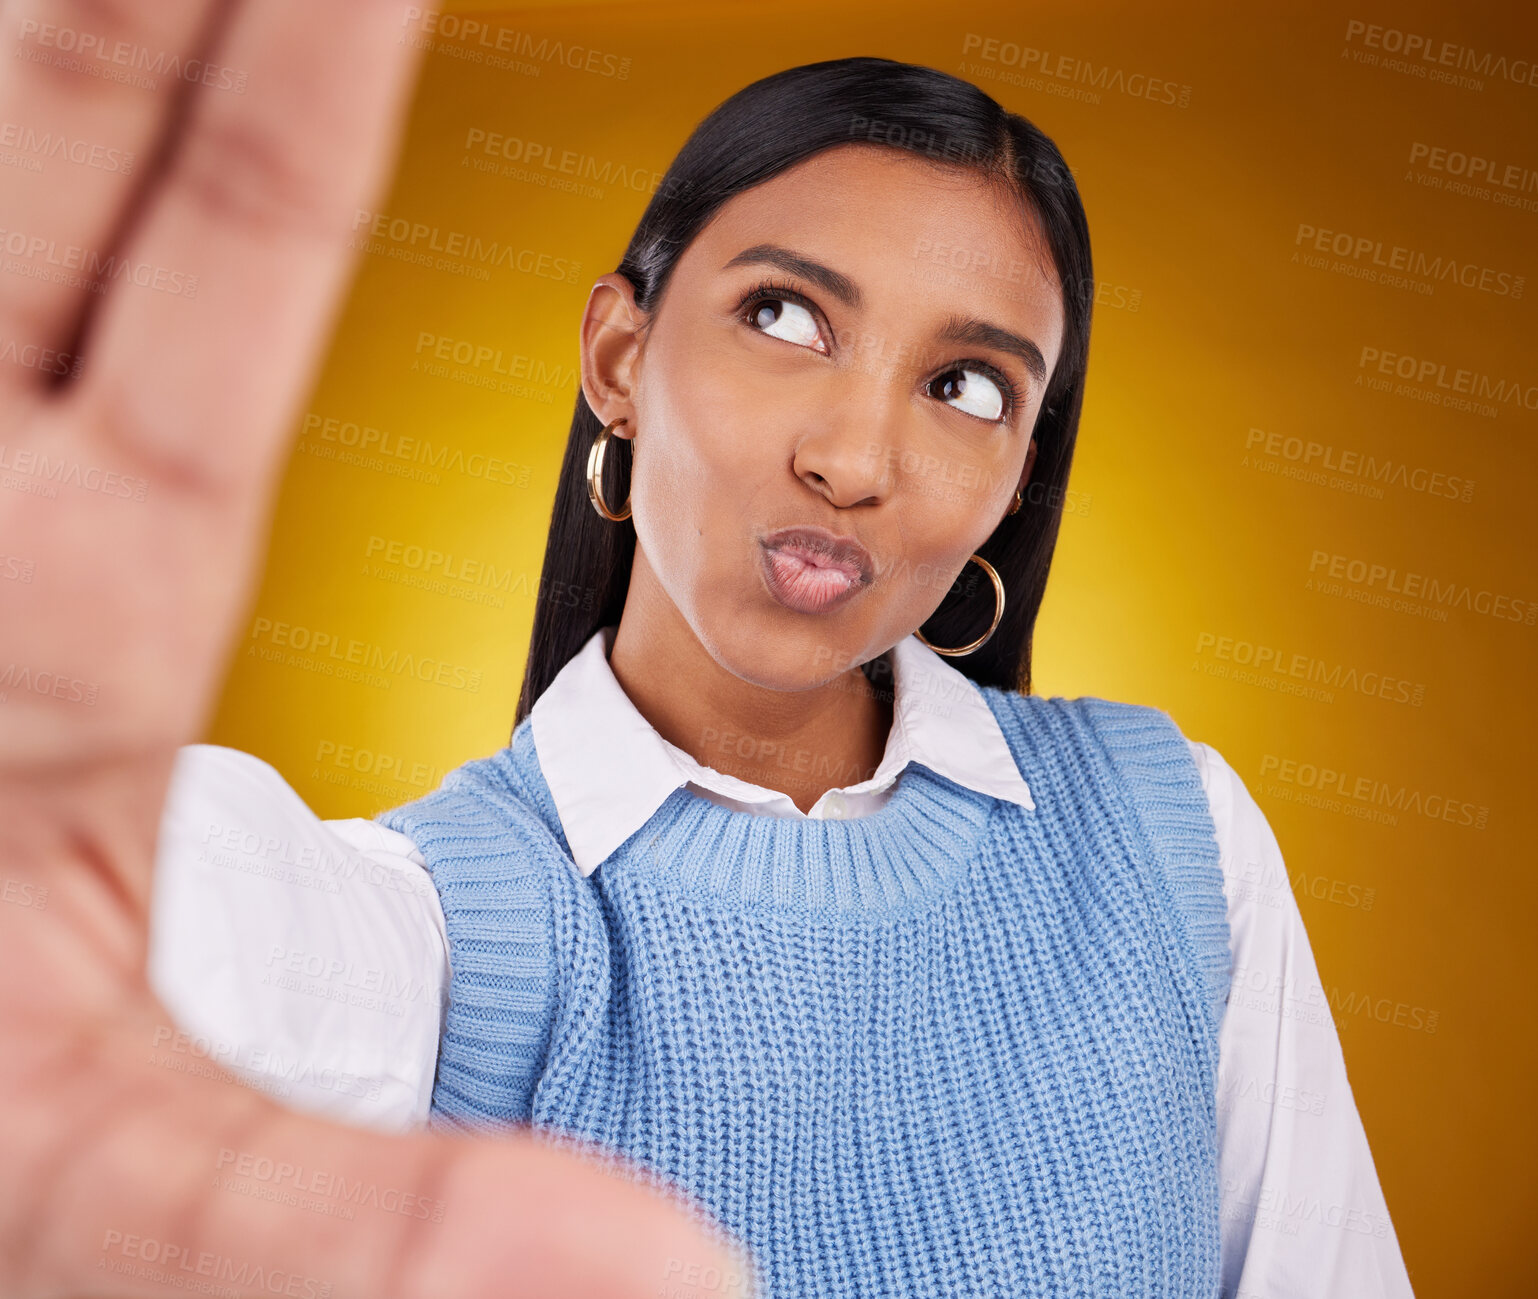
x=595, y=475
x=998, y=592
x=1019, y=500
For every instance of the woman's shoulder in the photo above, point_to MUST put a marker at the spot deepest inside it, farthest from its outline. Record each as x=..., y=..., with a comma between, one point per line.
x=261, y=913
x=1086, y=705
x=500, y=794
x=1134, y=757
x=1134, y=754
x=1128, y=731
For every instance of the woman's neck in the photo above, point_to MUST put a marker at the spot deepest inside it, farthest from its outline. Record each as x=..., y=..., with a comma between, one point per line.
x=800, y=742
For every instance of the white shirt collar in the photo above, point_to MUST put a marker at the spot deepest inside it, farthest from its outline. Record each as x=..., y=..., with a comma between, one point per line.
x=609, y=770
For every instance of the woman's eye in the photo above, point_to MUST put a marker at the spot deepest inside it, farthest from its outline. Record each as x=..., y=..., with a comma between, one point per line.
x=971, y=391
x=781, y=318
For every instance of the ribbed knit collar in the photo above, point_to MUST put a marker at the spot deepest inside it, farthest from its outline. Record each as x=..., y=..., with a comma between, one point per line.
x=907, y=850
x=608, y=771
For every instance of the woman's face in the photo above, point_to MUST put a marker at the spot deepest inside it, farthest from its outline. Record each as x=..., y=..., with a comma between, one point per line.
x=859, y=345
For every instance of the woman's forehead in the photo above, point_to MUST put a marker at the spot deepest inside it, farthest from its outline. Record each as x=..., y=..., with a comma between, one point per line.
x=874, y=191
x=893, y=224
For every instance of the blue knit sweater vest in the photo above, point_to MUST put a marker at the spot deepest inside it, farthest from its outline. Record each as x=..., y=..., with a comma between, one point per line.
x=952, y=1048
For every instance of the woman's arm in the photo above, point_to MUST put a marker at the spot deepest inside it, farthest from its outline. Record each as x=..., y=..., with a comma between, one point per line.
x=1303, y=1214
x=308, y=956
x=178, y=408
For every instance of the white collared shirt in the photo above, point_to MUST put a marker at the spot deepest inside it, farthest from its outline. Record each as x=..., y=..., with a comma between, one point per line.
x=310, y=957
x=608, y=769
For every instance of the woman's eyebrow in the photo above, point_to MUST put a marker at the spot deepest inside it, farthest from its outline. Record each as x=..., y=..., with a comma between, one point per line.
x=957, y=329
x=980, y=333
x=840, y=286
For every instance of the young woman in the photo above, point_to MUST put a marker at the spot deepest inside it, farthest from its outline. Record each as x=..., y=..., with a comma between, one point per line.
x=785, y=887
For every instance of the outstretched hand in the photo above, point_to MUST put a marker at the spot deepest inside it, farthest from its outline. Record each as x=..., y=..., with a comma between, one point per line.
x=159, y=324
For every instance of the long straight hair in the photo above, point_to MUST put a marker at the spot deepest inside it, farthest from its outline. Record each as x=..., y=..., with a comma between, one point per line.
x=762, y=130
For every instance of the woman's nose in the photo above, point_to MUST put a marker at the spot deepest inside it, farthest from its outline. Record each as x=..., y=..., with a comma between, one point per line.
x=853, y=440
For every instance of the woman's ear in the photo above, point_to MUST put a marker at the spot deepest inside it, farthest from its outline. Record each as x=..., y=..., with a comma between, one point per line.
x=610, y=341
x=1030, y=463
x=1025, y=474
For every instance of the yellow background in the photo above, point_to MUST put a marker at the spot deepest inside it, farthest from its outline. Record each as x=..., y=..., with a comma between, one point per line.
x=1176, y=540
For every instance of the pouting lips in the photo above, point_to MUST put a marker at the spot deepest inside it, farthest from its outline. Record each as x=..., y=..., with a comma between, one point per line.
x=812, y=570
x=824, y=549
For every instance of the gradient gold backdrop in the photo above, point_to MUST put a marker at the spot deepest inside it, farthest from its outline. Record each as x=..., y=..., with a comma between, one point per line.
x=1301, y=516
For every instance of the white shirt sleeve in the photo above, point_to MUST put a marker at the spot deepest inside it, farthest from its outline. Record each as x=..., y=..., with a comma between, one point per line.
x=1303, y=1216
x=308, y=957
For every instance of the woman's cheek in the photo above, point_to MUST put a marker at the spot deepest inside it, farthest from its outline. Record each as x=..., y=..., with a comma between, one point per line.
x=936, y=548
